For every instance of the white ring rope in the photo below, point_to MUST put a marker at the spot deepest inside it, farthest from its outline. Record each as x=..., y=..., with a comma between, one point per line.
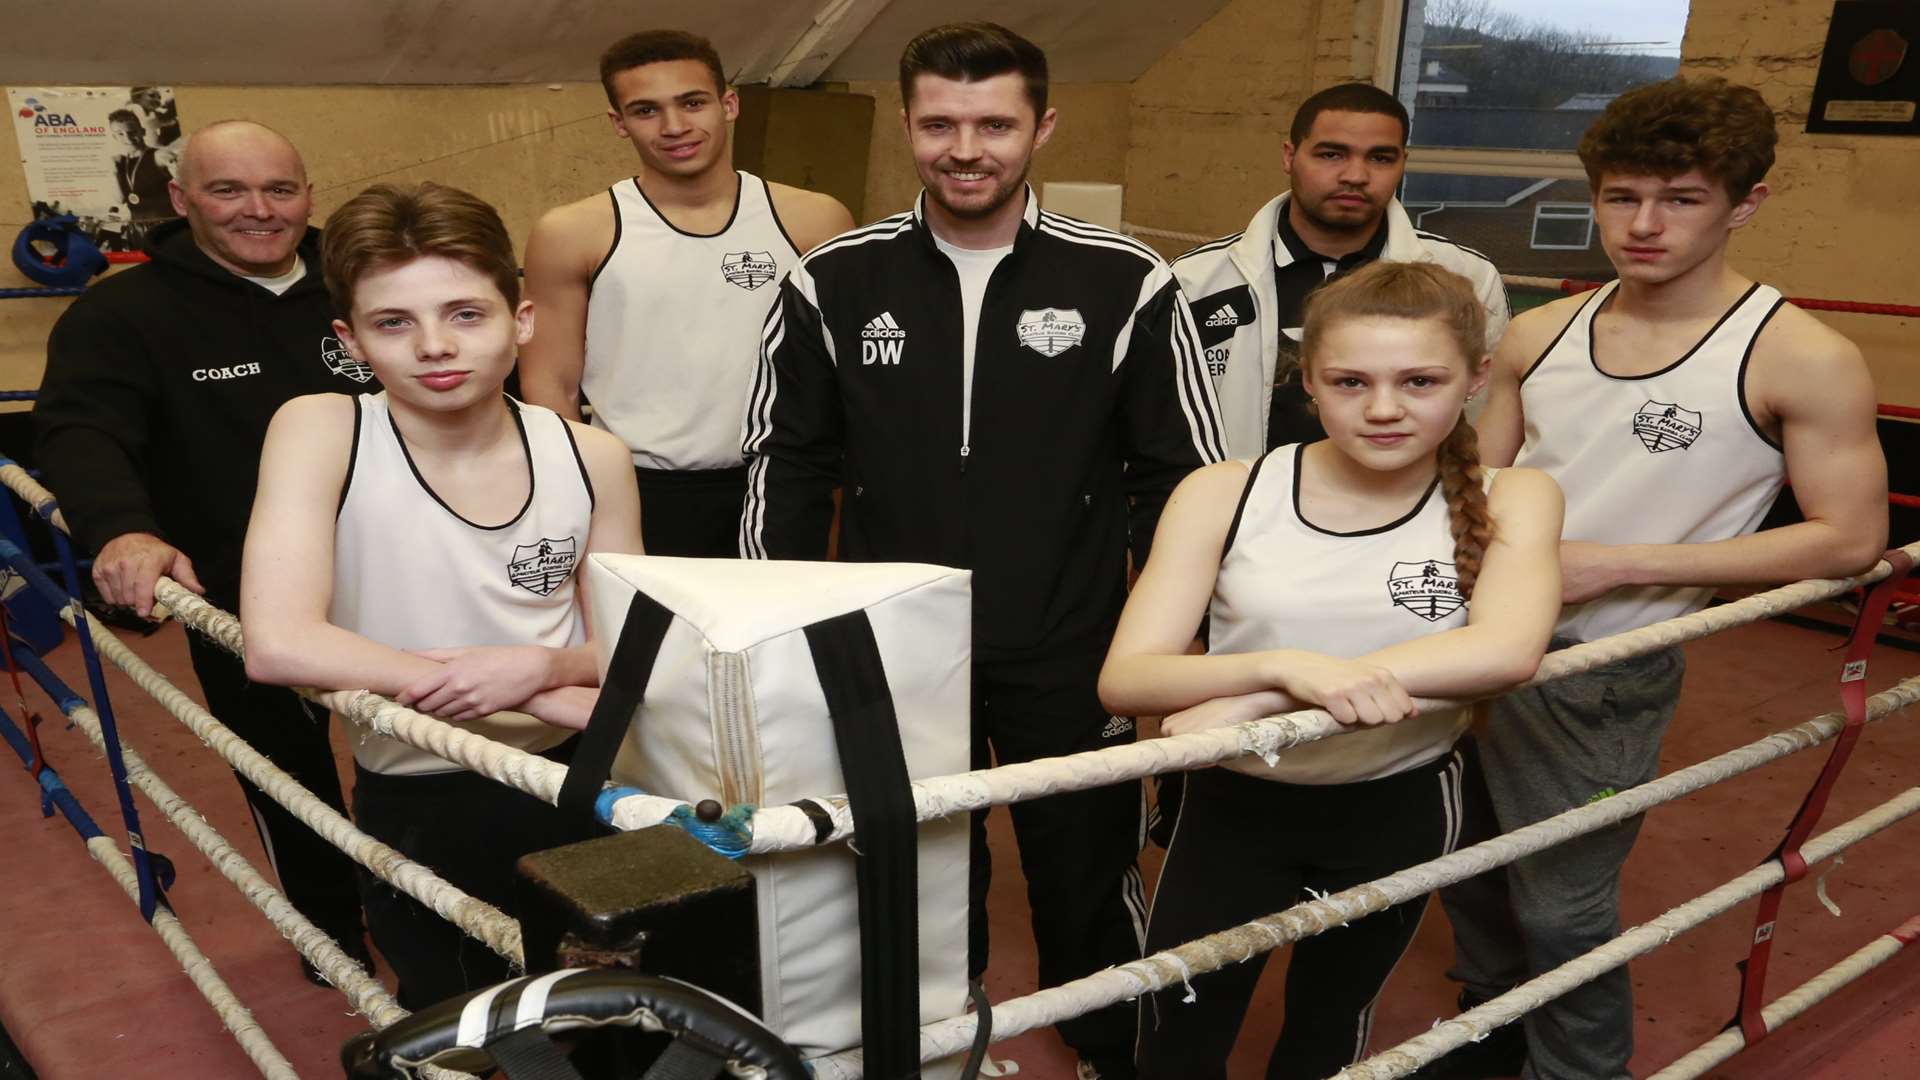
x=363, y=992
x=246, y=1031
x=368, y=997
x=479, y=919
x=1794, y=1002
x=1473, y=1025
x=1174, y=966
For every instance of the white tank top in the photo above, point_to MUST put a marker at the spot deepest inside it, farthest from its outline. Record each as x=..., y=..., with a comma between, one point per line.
x=673, y=327
x=1286, y=583
x=1672, y=457
x=410, y=573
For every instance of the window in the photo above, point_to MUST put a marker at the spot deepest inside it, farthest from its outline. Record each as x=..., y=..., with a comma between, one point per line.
x=1527, y=75
x=1500, y=92
x=1562, y=226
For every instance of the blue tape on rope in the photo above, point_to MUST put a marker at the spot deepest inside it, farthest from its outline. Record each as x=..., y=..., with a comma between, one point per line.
x=52, y=789
x=51, y=290
x=731, y=836
x=58, y=690
x=603, y=806
x=19, y=395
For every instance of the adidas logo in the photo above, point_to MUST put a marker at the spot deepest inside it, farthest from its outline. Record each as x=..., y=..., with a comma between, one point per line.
x=882, y=340
x=1226, y=316
x=1117, y=726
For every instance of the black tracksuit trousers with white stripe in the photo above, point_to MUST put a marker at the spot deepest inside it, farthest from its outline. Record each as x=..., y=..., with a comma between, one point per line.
x=1078, y=851
x=1247, y=847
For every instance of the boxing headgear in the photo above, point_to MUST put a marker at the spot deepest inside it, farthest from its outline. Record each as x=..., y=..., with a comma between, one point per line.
x=75, y=259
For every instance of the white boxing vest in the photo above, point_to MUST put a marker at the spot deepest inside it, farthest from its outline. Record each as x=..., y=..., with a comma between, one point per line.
x=410, y=573
x=1672, y=457
x=1285, y=583
x=673, y=327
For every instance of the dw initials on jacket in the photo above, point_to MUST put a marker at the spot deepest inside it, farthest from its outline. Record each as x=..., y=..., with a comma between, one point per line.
x=1088, y=402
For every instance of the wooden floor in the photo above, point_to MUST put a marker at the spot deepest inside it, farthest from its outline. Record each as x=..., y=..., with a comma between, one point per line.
x=87, y=990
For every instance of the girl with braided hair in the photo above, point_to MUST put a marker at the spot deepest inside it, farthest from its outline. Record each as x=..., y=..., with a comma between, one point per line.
x=1350, y=574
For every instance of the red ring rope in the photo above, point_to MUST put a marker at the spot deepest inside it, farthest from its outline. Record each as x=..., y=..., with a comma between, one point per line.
x=1857, y=307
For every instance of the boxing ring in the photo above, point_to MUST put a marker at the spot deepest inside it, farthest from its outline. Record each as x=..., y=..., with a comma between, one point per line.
x=741, y=830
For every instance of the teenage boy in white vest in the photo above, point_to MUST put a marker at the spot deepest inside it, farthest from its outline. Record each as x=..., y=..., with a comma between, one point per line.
x=1670, y=406
x=652, y=293
x=422, y=543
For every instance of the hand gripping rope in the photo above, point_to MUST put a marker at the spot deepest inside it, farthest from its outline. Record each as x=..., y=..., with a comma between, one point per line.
x=1853, y=699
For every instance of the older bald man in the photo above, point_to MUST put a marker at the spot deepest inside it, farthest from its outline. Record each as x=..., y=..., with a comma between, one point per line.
x=160, y=382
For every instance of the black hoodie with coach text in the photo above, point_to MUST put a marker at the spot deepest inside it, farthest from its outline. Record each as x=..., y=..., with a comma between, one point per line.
x=160, y=383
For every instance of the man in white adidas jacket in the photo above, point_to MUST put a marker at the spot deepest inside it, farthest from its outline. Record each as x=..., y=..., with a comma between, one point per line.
x=1345, y=158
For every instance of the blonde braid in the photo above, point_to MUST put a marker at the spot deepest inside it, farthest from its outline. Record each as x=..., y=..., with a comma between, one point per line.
x=1461, y=483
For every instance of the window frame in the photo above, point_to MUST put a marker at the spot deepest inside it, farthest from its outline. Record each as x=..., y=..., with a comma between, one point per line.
x=1569, y=211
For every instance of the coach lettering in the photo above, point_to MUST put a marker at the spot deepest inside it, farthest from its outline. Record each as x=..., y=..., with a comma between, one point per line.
x=215, y=374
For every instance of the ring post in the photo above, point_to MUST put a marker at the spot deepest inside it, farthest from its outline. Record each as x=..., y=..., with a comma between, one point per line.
x=653, y=900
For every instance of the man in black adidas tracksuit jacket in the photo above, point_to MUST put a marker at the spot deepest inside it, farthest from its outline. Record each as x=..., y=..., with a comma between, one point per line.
x=1088, y=403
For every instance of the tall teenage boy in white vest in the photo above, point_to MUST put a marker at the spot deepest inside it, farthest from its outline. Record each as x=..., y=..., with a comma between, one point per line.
x=1670, y=406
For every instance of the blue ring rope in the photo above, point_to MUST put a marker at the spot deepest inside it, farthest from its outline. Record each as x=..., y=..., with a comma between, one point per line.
x=53, y=792
x=68, y=700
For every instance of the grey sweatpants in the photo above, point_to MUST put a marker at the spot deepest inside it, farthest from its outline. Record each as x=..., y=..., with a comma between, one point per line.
x=1545, y=750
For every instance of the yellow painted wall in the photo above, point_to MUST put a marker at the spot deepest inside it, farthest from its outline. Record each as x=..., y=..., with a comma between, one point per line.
x=1089, y=142
x=523, y=148
x=1208, y=119
x=1843, y=222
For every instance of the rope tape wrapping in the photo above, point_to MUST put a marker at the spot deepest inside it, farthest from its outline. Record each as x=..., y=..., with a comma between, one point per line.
x=246, y=1031
x=486, y=923
x=1697, y=1061
x=1172, y=967
x=1471, y=1026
